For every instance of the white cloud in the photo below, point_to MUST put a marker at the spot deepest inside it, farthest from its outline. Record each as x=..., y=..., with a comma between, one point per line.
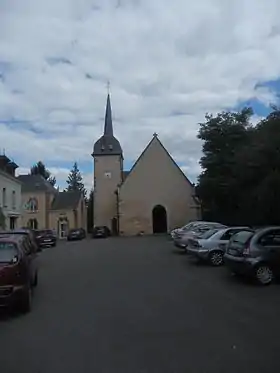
x=168, y=63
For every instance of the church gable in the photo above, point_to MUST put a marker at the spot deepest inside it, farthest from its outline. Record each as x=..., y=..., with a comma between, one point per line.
x=155, y=181
x=155, y=165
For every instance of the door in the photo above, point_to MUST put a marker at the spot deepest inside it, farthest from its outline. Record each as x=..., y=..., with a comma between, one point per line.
x=63, y=230
x=114, y=228
x=12, y=222
x=159, y=217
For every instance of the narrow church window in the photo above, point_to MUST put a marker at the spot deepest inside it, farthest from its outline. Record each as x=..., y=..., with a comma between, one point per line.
x=111, y=147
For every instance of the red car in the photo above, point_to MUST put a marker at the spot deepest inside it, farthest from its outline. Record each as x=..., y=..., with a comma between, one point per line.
x=18, y=272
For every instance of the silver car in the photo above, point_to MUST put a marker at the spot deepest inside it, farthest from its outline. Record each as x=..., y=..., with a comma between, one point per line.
x=178, y=231
x=212, y=246
x=181, y=240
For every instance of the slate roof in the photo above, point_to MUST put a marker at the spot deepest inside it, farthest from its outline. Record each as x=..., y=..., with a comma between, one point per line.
x=35, y=183
x=8, y=167
x=5, y=161
x=66, y=200
x=107, y=144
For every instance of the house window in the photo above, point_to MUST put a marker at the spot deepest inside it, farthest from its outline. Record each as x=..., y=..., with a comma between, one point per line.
x=32, y=224
x=14, y=200
x=32, y=205
x=4, y=200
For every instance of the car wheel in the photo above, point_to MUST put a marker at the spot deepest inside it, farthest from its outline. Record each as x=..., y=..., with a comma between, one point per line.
x=216, y=258
x=264, y=274
x=26, y=301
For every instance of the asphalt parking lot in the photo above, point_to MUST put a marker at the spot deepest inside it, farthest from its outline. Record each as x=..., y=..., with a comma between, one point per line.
x=133, y=305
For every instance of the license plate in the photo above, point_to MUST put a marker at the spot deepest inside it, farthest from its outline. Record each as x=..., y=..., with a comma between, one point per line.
x=47, y=240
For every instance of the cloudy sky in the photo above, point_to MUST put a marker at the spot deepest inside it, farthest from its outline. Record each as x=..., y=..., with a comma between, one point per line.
x=169, y=62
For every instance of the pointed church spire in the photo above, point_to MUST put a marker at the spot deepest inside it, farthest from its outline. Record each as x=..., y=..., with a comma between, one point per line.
x=107, y=144
x=108, y=127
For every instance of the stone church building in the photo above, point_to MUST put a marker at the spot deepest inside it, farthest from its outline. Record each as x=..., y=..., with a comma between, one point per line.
x=155, y=196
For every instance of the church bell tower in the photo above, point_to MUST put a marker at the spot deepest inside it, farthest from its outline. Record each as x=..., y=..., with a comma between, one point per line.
x=108, y=166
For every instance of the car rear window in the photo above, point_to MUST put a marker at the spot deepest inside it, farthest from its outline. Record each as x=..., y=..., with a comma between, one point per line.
x=188, y=226
x=8, y=251
x=209, y=233
x=242, y=237
x=44, y=231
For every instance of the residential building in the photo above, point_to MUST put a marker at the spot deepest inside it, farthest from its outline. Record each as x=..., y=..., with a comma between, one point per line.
x=155, y=196
x=10, y=194
x=44, y=207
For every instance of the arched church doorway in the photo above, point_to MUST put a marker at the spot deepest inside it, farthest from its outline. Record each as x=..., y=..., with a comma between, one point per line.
x=114, y=226
x=159, y=219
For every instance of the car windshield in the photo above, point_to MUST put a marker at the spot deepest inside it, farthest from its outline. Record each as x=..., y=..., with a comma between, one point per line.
x=209, y=233
x=8, y=251
x=242, y=237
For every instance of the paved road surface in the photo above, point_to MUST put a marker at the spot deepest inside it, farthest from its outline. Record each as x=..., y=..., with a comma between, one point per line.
x=131, y=305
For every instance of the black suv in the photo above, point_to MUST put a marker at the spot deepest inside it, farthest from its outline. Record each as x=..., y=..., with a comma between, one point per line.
x=76, y=234
x=101, y=232
x=45, y=237
x=255, y=253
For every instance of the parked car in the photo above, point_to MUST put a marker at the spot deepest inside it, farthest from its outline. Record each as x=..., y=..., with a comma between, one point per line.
x=76, y=234
x=45, y=237
x=18, y=271
x=255, y=254
x=177, y=231
x=212, y=245
x=24, y=232
x=101, y=232
x=181, y=240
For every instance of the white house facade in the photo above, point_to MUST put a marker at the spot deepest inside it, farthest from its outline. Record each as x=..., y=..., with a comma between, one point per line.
x=10, y=195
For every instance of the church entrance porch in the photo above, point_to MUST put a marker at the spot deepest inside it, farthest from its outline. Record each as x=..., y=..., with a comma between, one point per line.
x=159, y=219
x=62, y=227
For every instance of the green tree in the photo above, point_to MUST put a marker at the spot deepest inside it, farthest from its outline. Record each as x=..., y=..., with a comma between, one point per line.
x=39, y=168
x=240, y=181
x=223, y=136
x=75, y=180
